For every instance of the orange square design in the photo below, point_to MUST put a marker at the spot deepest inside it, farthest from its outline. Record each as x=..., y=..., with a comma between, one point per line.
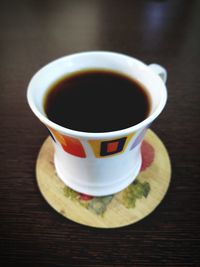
x=112, y=147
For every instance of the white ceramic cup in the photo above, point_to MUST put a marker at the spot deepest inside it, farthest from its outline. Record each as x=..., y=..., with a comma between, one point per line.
x=98, y=163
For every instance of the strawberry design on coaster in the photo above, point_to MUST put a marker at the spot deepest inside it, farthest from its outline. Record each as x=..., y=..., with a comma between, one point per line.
x=85, y=197
x=148, y=155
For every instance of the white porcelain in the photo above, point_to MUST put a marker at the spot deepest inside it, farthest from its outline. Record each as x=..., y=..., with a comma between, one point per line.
x=77, y=154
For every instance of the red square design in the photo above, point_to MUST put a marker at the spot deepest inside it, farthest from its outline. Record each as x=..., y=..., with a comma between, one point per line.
x=112, y=147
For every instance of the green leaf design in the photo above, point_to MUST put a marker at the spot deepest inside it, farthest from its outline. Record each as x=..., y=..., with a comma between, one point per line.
x=70, y=193
x=135, y=191
x=146, y=189
x=97, y=205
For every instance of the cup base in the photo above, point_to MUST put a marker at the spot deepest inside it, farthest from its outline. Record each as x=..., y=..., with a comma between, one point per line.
x=97, y=190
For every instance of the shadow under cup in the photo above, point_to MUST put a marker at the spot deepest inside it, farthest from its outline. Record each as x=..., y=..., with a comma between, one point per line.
x=97, y=163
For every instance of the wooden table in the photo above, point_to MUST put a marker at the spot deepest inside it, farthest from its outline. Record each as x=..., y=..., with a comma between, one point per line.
x=34, y=33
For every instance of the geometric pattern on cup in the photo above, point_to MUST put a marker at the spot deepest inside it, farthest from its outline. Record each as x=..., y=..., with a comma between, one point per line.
x=139, y=138
x=69, y=144
x=110, y=147
x=52, y=137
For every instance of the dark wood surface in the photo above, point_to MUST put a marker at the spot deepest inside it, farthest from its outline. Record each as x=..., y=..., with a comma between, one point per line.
x=34, y=33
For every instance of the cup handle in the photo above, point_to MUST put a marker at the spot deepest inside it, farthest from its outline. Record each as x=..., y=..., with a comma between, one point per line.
x=160, y=71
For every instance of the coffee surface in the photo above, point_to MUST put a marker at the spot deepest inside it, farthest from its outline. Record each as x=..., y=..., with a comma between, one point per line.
x=96, y=101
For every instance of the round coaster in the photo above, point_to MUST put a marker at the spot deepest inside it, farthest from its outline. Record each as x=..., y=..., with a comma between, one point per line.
x=124, y=208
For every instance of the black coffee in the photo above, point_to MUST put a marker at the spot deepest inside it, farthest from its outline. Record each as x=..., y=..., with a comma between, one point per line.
x=97, y=101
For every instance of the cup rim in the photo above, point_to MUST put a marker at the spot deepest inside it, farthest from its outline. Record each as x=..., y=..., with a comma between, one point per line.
x=96, y=135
